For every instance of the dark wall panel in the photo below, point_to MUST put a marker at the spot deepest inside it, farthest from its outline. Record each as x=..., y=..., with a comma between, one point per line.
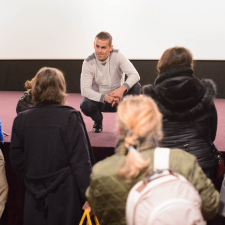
x=214, y=70
x=14, y=73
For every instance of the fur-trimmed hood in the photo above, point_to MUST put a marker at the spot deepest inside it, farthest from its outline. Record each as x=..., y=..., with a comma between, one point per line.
x=179, y=94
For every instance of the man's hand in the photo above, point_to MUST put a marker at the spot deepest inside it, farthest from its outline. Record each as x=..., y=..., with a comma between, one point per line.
x=116, y=100
x=115, y=96
x=118, y=92
x=108, y=99
x=5, y=134
x=111, y=100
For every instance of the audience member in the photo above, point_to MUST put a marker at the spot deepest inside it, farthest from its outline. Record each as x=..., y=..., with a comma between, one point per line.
x=51, y=154
x=1, y=133
x=25, y=101
x=222, y=202
x=3, y=181
x=189, y=113
x=140, y=127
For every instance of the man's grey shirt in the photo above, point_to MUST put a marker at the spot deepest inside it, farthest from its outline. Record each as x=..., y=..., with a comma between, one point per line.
x=99, y=78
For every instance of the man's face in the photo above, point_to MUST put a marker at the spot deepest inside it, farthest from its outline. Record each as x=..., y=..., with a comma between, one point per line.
x=102, y=49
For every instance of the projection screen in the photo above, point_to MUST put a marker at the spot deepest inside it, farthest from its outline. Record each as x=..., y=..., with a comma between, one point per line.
x=142, y=29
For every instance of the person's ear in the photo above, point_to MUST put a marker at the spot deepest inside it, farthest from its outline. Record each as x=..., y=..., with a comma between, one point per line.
x=94, y=44
x=111, y=47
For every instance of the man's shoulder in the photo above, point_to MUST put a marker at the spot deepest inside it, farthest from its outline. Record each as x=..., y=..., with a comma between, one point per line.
x=114, y=50
x=117, y=54
x=90, y=57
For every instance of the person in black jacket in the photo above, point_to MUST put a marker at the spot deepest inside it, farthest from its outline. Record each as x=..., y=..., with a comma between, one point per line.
x=190, y=116
x=25, y=101
x=51, y=154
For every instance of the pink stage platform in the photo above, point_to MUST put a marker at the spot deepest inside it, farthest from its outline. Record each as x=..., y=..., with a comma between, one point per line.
x=105, y=139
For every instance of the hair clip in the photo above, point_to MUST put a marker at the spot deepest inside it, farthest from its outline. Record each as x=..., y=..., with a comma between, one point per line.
x=132, y=147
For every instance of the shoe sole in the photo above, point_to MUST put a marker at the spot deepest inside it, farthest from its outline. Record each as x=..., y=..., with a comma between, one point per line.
x=96, y=131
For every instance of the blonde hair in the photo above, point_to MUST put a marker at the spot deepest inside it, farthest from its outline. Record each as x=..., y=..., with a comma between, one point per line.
x=138, y=119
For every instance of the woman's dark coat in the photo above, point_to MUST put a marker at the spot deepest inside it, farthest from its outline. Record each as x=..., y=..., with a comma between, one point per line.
x=51, y=154
x=25, y=102
x=186, y=103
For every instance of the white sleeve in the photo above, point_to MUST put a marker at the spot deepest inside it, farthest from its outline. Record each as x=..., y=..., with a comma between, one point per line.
x=86, y=82
x=127, y=67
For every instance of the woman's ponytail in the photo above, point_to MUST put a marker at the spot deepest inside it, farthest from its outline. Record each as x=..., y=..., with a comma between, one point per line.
x=138, y=119
x=134, y=164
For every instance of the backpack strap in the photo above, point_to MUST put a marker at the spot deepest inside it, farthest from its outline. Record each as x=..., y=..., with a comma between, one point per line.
x=161, y=161
x=161, y=158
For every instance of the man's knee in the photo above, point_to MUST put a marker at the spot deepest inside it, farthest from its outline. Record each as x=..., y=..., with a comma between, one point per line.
x=88, y=107
x=85, y=106
x=135, y=90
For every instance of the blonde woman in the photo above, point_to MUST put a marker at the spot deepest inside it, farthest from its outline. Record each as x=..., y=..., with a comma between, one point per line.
x=140, y=127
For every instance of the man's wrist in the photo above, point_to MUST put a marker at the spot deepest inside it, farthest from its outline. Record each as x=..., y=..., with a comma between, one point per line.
x=102, y=98
x=105, y=98
x=127, y=86
x=123, y=88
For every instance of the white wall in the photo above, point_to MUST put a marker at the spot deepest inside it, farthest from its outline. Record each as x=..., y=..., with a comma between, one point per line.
x=142, y=29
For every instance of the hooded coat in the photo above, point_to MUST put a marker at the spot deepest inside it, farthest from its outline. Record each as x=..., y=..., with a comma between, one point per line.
x=189, y=113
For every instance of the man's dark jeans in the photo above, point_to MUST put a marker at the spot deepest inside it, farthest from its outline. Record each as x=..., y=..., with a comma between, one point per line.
x=93, y=109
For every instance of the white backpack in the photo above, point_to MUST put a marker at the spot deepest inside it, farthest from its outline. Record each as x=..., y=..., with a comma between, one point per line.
x=164, y=197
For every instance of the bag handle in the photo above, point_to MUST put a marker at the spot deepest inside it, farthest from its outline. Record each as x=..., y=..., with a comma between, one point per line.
x=86, y=214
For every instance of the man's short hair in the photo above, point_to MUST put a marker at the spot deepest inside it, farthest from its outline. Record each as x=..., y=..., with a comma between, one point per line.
x=104, y=36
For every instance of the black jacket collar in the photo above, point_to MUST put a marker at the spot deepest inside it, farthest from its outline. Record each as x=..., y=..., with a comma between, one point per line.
x=174, y=72
x=179, y=94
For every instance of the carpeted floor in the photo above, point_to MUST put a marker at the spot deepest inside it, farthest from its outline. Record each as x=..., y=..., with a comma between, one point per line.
x=105, y=139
